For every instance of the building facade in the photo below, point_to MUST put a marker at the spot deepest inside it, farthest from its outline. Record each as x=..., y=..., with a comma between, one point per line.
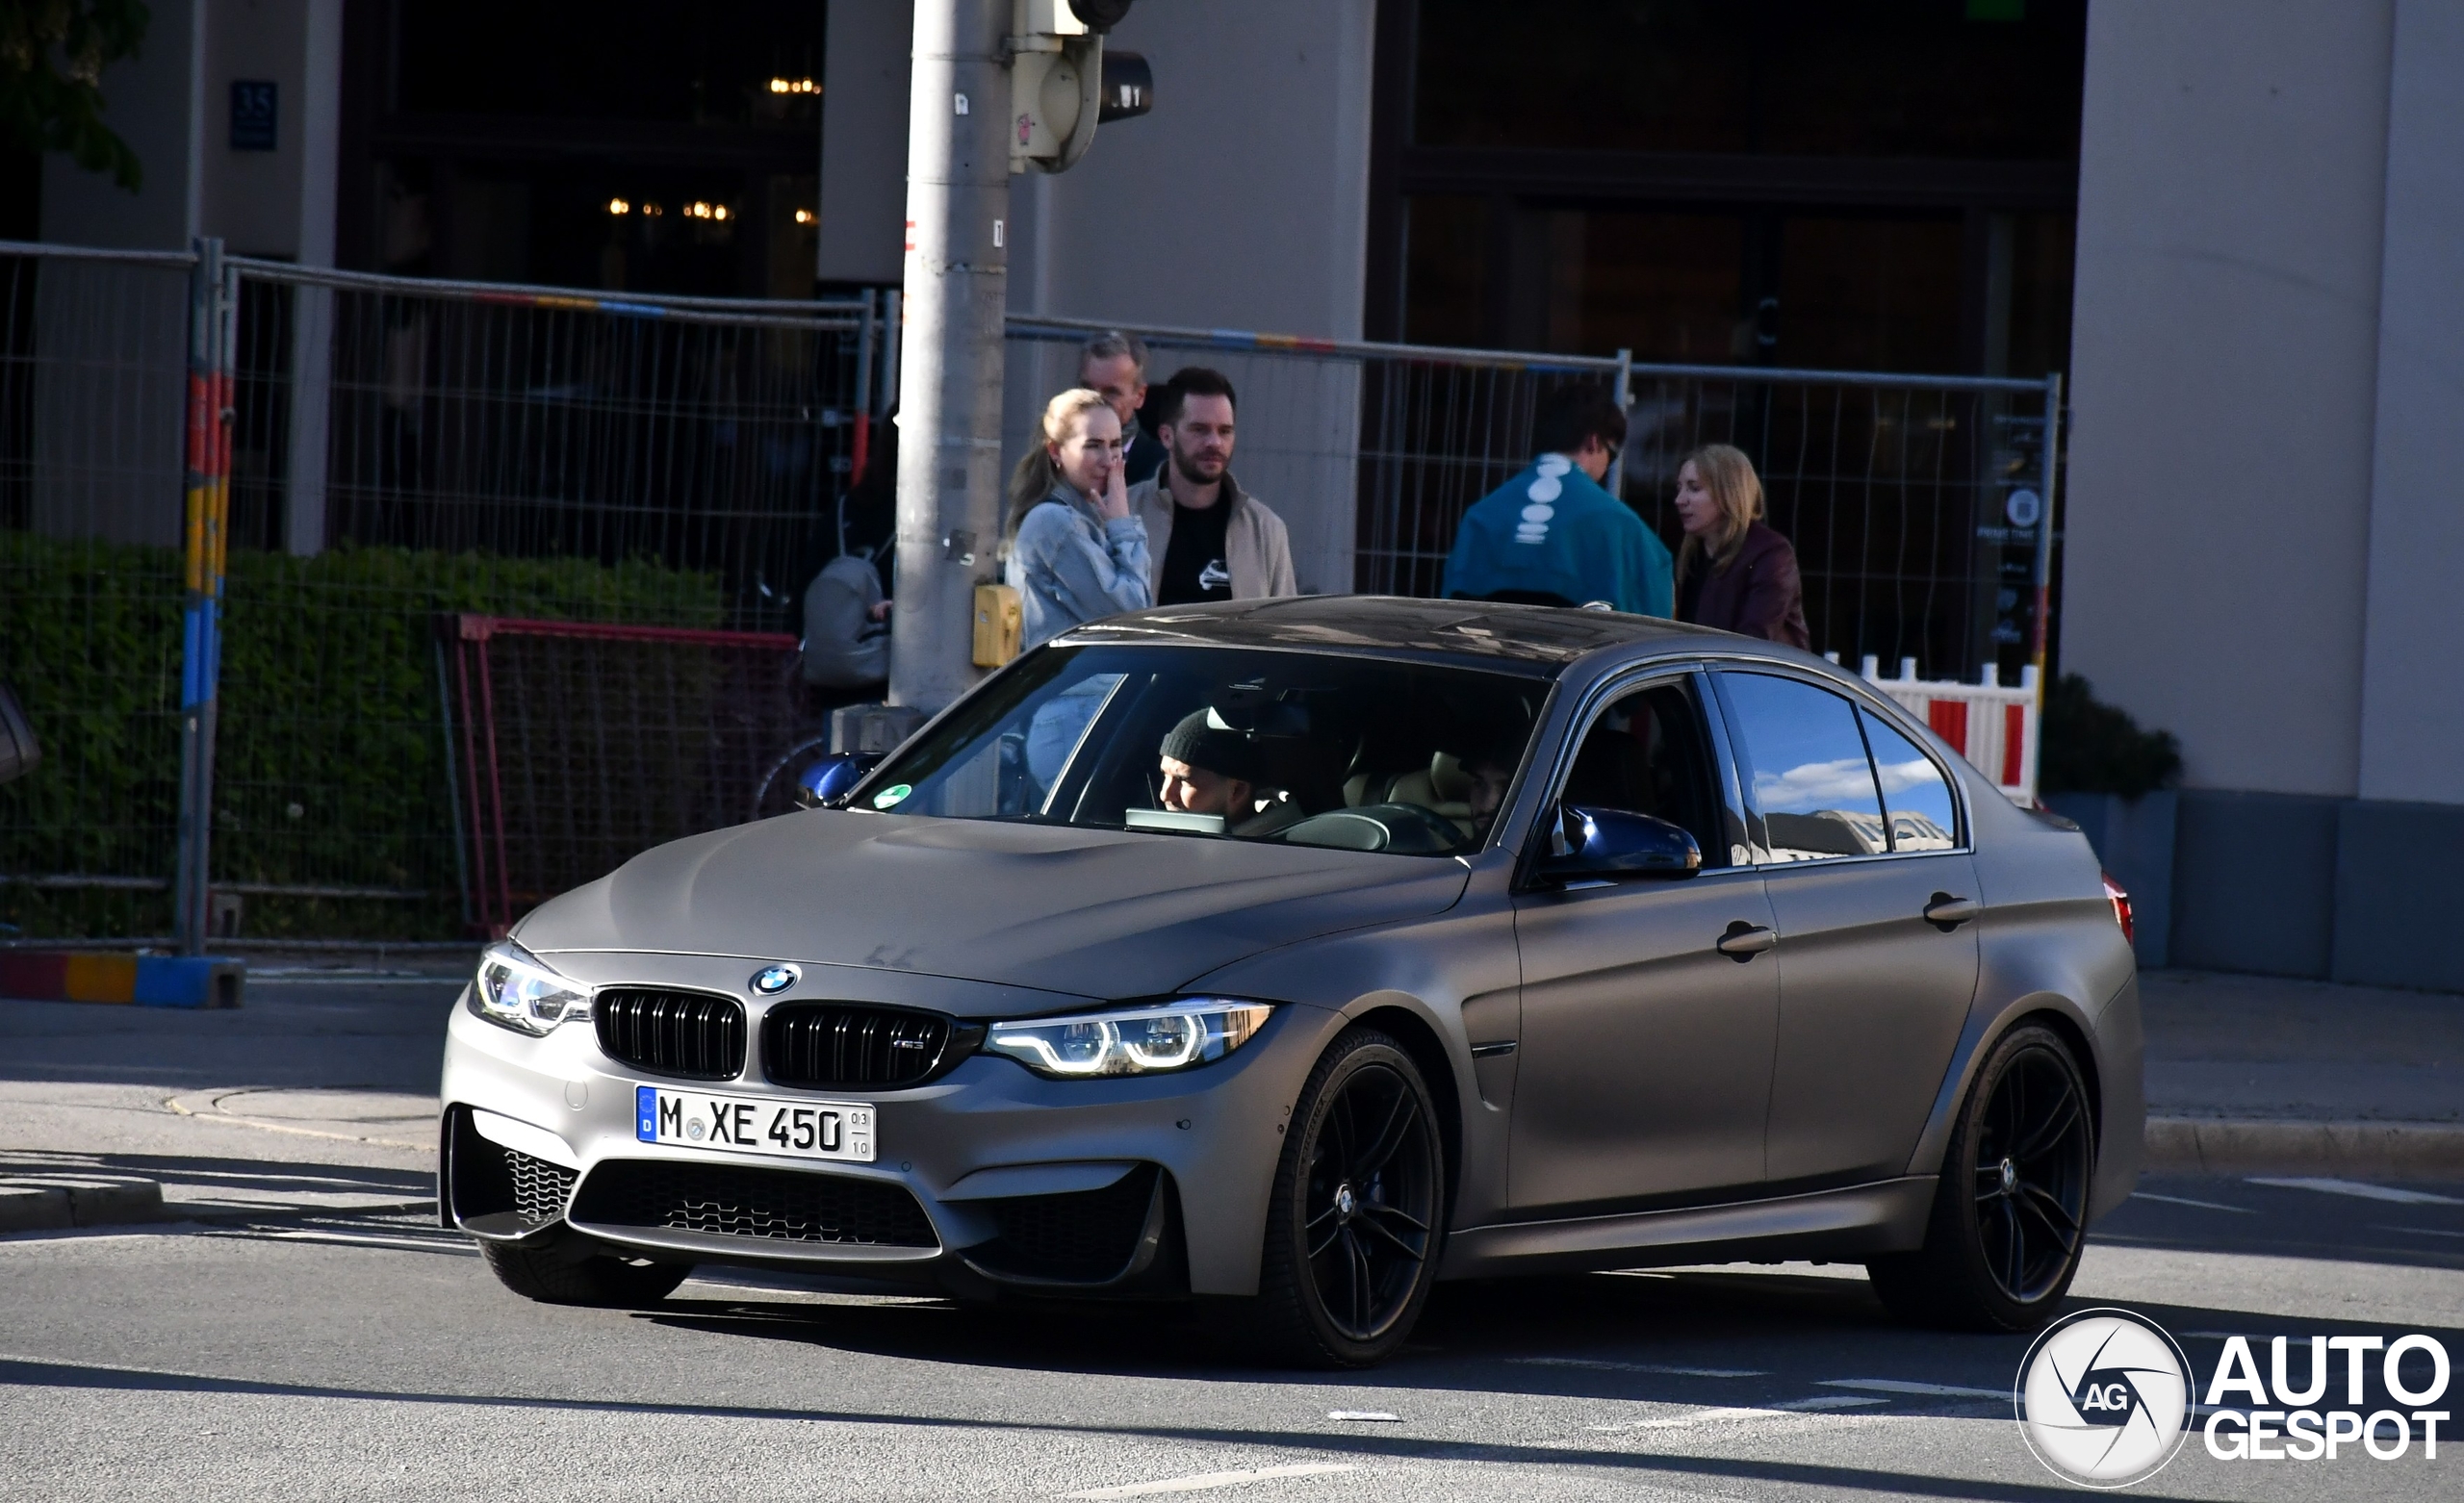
x=2266, y=509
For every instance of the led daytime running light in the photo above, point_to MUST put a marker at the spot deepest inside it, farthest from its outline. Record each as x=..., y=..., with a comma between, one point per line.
x=1134, y=1042
x=515, y=990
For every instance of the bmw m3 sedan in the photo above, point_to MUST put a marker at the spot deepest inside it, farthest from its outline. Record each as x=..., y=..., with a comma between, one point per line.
x=1289, y=956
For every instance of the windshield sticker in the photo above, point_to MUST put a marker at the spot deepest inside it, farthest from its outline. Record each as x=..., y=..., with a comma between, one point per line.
x=891, y=795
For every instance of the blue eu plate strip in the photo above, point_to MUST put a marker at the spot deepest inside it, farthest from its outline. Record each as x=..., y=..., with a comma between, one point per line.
x=646, y=1113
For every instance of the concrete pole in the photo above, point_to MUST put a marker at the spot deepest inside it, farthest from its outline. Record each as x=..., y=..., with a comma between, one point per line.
x=949, y=391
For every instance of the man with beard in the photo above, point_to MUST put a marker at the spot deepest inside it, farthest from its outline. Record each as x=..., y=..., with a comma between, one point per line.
x=1209, y=540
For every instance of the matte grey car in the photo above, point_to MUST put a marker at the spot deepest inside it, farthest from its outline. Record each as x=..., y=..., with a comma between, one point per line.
x=1527, y=939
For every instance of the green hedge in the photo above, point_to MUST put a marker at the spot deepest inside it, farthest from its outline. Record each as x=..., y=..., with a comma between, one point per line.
x=330, y=760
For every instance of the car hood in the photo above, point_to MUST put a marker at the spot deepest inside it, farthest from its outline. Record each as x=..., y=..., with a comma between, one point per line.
x=1094, y=912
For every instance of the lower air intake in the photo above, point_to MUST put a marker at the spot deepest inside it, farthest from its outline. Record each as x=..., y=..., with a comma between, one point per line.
x=777, y=1205
x=1089, y=1236
x=518, y=1191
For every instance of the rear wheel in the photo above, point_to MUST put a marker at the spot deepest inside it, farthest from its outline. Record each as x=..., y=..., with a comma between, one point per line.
x=566, y=1270
x=2010, y=1214
x=1356, y=1225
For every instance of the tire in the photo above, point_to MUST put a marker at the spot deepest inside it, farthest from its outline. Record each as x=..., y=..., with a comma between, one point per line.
x=1356, y=1223
x=568, y=1271
x=2009, y=1211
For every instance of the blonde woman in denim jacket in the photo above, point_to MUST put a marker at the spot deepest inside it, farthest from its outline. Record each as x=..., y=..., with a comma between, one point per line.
x=1077, y=553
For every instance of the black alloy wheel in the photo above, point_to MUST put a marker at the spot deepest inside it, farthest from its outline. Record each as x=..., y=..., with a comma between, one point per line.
x=1358, y=1217
x=2010, y=1215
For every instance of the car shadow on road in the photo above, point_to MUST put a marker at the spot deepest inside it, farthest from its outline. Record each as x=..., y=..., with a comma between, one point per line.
x=1624, y=1465
x=1707, y=1338
x=250, y=1179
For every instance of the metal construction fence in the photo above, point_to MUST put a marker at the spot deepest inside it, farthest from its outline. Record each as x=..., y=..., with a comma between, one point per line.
x=1917, y=504
x=374, y=458
x=352, y=606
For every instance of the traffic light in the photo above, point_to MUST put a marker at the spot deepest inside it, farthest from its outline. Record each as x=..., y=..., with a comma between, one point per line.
x=1061, y=84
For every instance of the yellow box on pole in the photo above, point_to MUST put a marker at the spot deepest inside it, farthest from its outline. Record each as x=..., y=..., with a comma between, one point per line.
x=999, y=623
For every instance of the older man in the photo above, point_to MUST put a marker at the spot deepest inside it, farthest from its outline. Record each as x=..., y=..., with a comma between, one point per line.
x=1206, y=538
x=1114, y=364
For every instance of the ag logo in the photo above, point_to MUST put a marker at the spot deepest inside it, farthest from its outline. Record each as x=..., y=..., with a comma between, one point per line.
x=771, y=980
x=2104, y=1398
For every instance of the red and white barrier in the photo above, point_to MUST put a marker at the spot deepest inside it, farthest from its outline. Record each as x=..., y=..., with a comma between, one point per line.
x=1994, y=728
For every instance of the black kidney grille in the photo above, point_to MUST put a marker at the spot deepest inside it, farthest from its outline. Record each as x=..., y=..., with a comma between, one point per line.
x=778, y=1203
x=848, y=1046
x=690, y=1034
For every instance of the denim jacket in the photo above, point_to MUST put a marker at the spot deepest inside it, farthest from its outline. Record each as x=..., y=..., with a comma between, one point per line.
x=1070, y=567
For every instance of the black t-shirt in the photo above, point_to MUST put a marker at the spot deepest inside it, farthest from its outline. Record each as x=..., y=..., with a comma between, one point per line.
x=1194, y=567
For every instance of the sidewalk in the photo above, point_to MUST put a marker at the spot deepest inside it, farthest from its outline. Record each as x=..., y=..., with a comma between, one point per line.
x=2255, y=1074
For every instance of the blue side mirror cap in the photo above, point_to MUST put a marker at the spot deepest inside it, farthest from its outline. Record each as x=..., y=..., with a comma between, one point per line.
x=1614, y=843
x=827, y=782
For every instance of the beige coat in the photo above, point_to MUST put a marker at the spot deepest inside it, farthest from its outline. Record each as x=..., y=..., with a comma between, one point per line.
x=1256, y=547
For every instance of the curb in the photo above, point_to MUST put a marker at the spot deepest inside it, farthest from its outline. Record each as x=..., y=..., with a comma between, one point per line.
x=2243, y=1145
x=140, y=980
x=58, y=1202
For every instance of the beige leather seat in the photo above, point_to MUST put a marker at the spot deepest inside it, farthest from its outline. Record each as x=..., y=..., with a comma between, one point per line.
x=1442, y=788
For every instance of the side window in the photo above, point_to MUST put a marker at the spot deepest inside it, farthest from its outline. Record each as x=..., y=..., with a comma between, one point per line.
x=1916, y=799
x=1646, y=753
x=1810, y=780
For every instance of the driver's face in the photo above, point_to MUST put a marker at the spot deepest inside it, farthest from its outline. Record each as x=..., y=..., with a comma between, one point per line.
x=1194, y=790
x=1488, y=789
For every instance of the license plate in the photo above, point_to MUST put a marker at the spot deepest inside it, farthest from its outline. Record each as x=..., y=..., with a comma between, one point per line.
x=841, y=1129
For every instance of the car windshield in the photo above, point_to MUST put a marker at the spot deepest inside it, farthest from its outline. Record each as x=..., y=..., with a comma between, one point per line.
x=1303, y=748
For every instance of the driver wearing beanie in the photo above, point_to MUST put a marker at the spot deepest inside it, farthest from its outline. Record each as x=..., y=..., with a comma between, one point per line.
x=1209, y=768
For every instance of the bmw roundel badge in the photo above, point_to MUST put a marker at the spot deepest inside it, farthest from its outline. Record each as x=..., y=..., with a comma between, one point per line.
x=771, y=980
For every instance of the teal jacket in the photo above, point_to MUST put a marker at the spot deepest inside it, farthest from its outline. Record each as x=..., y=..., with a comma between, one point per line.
x=1552, y=530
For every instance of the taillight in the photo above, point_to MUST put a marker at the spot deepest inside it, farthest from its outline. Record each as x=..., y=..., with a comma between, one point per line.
x=2121, y=901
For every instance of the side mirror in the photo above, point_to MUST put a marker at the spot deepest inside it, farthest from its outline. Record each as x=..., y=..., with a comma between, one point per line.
x=1608, y=844
x=823, y=785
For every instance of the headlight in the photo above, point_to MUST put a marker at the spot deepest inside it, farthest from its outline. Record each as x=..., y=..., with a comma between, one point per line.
x=514, y=990
x=1134, y=1042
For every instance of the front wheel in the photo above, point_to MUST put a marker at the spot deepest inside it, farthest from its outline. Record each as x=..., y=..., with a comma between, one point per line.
x=565, y=1270
x=1357, y=1220
x=2010, y=1214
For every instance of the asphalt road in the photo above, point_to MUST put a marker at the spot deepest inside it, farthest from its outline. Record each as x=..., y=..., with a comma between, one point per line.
x=310, y=1336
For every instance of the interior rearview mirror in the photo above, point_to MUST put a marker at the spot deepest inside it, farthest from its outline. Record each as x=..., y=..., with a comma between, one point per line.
x=1611, y=844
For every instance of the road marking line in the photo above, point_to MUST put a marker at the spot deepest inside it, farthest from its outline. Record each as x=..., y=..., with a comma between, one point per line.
x=1602, y=1365
x=2419, y=1230
x=1784, y=1410
x=1902, y=1386
x=2183, y=1200
x=2354, y=1187
x=1213, y=1479
x=1362, y=1414
x=1700, y=1417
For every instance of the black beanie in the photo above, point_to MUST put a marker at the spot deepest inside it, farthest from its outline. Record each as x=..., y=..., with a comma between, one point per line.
x=1226, y=753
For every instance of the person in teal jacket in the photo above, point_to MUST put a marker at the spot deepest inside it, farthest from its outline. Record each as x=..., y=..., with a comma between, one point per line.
x=1551, y=535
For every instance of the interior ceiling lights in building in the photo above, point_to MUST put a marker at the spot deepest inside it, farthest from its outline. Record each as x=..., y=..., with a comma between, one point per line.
x=806, y=217
x=794, y=86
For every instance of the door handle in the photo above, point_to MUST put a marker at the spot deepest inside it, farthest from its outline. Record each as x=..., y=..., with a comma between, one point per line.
x=1949, y=913
x=1744, y=941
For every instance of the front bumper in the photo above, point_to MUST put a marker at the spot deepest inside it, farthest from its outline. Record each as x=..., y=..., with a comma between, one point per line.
x=1015, y=1180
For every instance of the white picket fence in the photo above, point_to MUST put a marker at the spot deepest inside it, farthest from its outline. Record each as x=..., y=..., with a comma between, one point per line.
x=1993, y=727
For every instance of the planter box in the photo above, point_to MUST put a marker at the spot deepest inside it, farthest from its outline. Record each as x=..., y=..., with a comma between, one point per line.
x=2134, y=839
